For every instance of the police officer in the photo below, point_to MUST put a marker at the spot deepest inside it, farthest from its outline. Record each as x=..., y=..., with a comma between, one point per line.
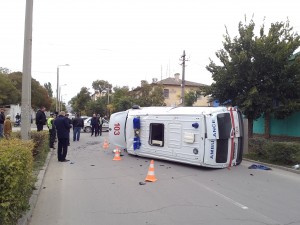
x=52, y=130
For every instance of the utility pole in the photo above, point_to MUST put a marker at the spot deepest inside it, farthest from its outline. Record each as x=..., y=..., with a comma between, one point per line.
x=26, y=78
x=183, y=77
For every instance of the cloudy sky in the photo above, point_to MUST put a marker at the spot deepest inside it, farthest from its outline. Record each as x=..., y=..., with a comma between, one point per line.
x=126, y=41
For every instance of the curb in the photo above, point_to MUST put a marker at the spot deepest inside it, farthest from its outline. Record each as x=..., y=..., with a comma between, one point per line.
x=274, y=166
x=25, y=219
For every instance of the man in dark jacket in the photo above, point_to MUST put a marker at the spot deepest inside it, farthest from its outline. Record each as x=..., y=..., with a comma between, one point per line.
x=70, y=122
x=63, y=129
x=94, y=124
x=2, y=118
x=77, y=126
x=40, y=119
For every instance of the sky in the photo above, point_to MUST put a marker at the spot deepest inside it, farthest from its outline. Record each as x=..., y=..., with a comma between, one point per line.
x=126, y=41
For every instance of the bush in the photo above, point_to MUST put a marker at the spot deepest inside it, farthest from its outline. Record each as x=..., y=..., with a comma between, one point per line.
x=282, y=153
x=285, y=153
x=16, y=180
x=257, y=146
x=41, y=148
x=39, y=139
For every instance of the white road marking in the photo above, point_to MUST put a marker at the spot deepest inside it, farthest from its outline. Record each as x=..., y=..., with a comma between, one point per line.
x=225, y=197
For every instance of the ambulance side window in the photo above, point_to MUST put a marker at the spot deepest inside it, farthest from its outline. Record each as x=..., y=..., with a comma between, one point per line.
x=156, y=137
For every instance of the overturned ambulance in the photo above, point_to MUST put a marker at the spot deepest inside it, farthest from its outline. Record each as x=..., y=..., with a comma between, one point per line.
x=204, y=136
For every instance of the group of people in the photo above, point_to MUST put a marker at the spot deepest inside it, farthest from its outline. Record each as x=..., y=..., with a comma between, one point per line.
x=96, y=123
x=5, y=125
x=59, y=126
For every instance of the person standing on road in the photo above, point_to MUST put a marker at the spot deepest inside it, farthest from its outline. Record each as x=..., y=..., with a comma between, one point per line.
x=77, y=126
x=52, y=130
x=40, y=119
x=7, y=127
x=2, y=118
x=63, y=133
x=100, y=122
x=70, y=122
x=94, y=124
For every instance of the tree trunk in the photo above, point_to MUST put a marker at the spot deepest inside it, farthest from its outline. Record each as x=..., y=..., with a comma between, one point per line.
x=267, y=125
x=250, y=127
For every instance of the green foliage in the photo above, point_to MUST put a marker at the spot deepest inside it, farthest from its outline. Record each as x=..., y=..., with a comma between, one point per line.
x=48, y=87
x=256, y=71
x=41, y=148
x=257, y=146
x=8, y=92
x=39, y=94
x=16, y=179
x=98, y=107
x=4, y=70
x=190, y=98
x=282, y=153
x=157, y=97
x=101, y=85
x=148, y=95
x=121, y=99
x=79, y=102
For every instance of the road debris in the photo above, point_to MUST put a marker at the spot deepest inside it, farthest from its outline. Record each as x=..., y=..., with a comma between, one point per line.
x=296, y=167
x=257, y=166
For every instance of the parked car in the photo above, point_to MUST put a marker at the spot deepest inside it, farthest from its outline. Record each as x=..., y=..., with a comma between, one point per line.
x=85, y=117
x=88, y=128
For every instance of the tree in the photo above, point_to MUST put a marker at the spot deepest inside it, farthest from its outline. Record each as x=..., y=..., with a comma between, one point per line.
x=39, y=94
x=7, y=91
x=190, y=98
x=101, y=85
x=150, y=95
x=121, y=99
x=48, y=87
x=157, y=96
x=98, y=107
x=256, y=72
x=80, y=101
x=4, y=70
x=16, y=79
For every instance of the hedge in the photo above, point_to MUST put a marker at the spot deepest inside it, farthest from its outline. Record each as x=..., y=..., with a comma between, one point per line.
x=16, y=178
x=282, y=153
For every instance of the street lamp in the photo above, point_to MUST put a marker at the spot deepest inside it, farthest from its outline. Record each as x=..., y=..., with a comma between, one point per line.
x=61, y=102
x=60, y=97
x=57, y=87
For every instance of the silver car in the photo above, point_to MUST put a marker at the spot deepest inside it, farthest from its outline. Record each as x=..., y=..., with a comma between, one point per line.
x=88, y=128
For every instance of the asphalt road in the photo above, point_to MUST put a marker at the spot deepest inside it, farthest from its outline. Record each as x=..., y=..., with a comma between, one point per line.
x=92, y=189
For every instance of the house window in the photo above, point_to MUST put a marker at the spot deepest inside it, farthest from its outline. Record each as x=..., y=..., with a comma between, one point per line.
x=156, y=137
x=166, y=93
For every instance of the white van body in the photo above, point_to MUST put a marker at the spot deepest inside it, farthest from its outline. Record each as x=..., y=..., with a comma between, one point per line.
x=204, y=136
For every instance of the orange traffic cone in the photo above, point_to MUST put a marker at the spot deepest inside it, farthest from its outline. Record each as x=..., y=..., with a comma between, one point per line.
x=105, y=144
x=151, y=175
x=117, y=154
